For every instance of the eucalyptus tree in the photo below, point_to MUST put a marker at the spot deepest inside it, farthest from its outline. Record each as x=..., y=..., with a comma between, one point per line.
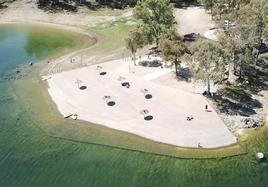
x=242, y=40
x=251, y=26
x=224, y=7
x=208, y=4
x=217, y=7
x=229, y=48
x=172, y=47
x=135, y=41
x=208, y=65
x=155, y=16
x=236, y=52
x=220, y=8
x=5, y=1
x=257, y=22
x=244, y=60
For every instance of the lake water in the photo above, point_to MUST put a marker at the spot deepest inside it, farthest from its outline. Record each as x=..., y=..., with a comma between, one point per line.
x=29, y=157
x=21, y=45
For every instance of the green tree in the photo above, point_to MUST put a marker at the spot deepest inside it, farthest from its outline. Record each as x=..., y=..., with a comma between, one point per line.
x=208, y=65
x=209, y=4
x=135, y=41
x=172, y=47
x=218, y=8
x=251, y=26
x=224, y=7
x=244, y=60
x=155, y=16
x=243, y=40
x=2, y=2
x=228, y=52
x=257, y=23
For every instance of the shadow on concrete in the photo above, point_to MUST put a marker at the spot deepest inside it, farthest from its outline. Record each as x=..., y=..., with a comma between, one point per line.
x=184, y=74
x=148, y=118
x=153, y=63
x=103, y=73
x=126, y=84
x=234, y=100
x=148, y=96
x=111, y=103
x=83, y=87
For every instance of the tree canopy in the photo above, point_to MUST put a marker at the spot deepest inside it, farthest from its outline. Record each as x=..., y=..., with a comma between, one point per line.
x=155, y=16
x=208, y=64
x=135, y=41
x=172, y=47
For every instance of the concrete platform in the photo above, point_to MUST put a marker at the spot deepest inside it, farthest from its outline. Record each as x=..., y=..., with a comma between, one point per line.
x=168, y=106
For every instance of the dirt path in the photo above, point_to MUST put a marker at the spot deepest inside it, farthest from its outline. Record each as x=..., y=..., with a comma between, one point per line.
x=193, y=20
x=27, y=11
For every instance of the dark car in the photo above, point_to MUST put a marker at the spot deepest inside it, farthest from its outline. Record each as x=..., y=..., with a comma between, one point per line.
x=263, y=48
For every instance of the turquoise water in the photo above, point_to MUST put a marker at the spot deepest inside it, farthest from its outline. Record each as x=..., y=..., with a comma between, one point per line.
x=13, y=49
x=29, y=157
x=21, y=45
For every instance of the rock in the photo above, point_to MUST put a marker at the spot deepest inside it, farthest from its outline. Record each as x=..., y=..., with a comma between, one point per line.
x=252, y=123
x=260, y=157
x=240, y=132
x=249, y=123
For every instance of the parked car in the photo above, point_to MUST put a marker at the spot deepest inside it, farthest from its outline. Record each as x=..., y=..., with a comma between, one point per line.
x=263, y=48
x=228, y=23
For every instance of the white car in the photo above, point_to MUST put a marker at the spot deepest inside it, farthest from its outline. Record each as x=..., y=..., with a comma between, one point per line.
x=227, y=23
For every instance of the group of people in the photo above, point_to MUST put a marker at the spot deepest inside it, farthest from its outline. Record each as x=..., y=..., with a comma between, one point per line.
x=190, y=118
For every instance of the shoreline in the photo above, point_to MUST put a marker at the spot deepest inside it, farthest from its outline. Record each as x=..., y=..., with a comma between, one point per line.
x=181, y=148
x=37, y=77
x=51, y=122
x=64, y=28
x=61, y=26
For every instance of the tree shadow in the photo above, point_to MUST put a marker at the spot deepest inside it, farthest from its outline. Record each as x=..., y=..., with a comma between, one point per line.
x=234, y=100
x=185, y=3
x=111, y=4
x=154, y=51
x=54, y=6
x=237, y=99
x=92, y=5
x=3, y=6
x=257, y=79
x=153, y=63
x=72, y=5
x=184, y=74
x=191, y=37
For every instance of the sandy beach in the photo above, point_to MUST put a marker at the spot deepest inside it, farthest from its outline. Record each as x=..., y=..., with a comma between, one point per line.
x=169, y=107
